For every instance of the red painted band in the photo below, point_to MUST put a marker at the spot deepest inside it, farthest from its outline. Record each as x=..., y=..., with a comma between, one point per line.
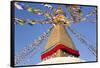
x=60, y=46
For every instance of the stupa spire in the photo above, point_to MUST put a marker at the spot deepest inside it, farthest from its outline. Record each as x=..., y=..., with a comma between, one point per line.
x=59, y=43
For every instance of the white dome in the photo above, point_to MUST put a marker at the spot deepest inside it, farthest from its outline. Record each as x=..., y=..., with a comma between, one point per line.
x=61, y=60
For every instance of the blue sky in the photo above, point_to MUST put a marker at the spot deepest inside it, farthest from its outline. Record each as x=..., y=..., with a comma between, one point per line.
x=24, y=35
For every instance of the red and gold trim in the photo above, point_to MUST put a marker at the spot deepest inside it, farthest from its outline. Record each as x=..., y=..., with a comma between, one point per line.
x=62, y=47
